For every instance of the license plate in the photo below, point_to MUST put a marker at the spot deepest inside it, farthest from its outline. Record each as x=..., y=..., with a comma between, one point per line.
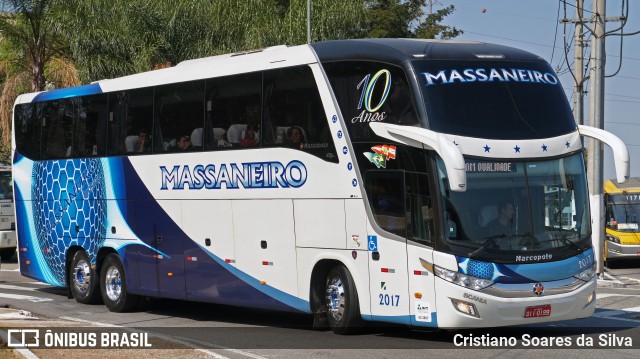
x=537, y=311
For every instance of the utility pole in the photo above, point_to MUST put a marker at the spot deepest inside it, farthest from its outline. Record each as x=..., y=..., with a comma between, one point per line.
x=596, y=111
x=578, y=86
x=596, y=119
x=308, y=21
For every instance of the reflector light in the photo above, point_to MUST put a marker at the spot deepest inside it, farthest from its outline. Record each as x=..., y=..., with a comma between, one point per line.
x=418, y=295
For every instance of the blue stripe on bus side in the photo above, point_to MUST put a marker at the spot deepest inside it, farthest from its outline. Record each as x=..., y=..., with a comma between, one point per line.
x=91, y=89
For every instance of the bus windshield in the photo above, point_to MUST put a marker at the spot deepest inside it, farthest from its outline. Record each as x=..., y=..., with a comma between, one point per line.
x=6, y=185
x=503, y=96
x=513, y=208
x=623, y=212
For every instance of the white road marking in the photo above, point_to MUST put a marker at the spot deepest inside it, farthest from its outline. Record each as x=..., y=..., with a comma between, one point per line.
x=607, y=295
x=25, y=297
x=26, y=353
x=184, y=341
x=15, y=287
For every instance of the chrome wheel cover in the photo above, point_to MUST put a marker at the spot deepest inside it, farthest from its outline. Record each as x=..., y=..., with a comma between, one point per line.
x=335, y=298
x=113, y=284
x=82, y=276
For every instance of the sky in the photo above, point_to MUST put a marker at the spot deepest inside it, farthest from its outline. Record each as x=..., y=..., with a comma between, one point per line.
x=531, y=25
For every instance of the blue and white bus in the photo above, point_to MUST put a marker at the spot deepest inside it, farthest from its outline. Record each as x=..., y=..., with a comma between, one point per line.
x=427, y=183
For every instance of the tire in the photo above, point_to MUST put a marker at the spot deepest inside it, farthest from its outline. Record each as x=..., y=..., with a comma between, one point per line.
x=83, y=280
x=114, y=286
x=7, y=253
x=341, y=300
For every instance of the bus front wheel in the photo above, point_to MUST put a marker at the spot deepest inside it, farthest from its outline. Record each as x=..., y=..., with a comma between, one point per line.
x=341, y=300
x=83, y=279
x=114, y=286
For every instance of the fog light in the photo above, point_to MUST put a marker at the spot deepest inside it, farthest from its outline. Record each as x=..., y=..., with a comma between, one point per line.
x=591, y=298
x=465, y=307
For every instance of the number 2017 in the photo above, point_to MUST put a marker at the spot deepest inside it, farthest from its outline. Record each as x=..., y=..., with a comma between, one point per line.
x=392, y=300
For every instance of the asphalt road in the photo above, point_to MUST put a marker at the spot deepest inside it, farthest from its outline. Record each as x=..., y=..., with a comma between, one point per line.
x=207, y=330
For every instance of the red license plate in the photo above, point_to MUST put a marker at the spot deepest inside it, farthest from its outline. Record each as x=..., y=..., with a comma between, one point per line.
x=537, y=311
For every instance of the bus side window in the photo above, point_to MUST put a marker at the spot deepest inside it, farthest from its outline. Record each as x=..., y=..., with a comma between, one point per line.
x=385, y=191
x=179, y=110
x=57, y=136
x=28, y=126
x=233, y=105
x=130, y=112
x=294, y=115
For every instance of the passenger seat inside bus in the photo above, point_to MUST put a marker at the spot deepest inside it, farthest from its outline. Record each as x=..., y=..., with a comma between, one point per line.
x=234, y=134
x=487, y=214
x=131, y=143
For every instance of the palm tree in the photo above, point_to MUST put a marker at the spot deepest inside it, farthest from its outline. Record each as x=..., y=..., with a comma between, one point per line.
x=33, y=56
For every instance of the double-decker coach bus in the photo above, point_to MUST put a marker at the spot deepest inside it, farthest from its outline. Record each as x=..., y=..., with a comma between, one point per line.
x=416, y=182
x=622, y=208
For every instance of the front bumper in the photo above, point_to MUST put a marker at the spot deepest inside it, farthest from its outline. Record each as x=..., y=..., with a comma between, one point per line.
x=619, y=251
x=496, y=311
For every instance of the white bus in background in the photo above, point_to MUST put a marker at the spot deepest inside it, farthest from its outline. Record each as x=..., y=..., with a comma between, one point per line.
x=427, y=183
x=7, y=220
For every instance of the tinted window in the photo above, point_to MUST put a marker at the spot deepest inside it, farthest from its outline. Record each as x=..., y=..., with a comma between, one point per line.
x=59, y=117
x=179, y=114
x=294, y=115
x=130, y=116
x=89, y=137
x=233, y=105
x=497, y=100
x=371, y=92
x=27, y=127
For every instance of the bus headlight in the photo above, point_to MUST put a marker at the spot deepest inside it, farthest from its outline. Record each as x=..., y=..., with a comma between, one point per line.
x=587, y=274
x=460, y=279
x=613, y=239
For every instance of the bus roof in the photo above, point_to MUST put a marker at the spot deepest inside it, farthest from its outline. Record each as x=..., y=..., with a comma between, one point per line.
x=631, y=185
x=400, y=50
x=394, y=51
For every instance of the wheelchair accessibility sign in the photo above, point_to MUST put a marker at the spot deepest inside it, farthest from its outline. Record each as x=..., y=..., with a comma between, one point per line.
x=372, y=242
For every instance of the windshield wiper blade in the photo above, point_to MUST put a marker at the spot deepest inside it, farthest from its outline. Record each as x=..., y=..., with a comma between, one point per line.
x=492, y=240
x=488, y=240
x=566, y=241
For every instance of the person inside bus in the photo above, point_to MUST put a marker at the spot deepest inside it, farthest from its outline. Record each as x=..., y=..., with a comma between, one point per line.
x=295, y=137
x=250, y=139
x=144, y=141
x=503, y=224
x=183, y=143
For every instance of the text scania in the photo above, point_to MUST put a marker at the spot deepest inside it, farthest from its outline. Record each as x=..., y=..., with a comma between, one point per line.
x=490, y=75
x=233, y=176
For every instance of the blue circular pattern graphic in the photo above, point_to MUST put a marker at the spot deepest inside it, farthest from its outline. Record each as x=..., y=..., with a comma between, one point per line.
x=479, y=269
x=69, y=208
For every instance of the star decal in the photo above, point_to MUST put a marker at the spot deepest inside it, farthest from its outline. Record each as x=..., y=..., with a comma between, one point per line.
x=567, y=144
x=487, y=148
x=544, y=148
x=517, y=149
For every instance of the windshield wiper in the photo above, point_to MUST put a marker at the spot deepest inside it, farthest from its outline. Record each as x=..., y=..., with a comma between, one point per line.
x=491, y=240
x=567, y=241
x=488, y=241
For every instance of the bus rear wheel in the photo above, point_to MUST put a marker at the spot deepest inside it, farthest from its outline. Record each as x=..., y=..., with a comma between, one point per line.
x=83, y=279
x=114, y=286
x=341, y=300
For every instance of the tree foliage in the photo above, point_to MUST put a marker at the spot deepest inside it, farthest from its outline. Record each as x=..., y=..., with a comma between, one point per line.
x=59, y=43
x=34, y=53
x=407, y=18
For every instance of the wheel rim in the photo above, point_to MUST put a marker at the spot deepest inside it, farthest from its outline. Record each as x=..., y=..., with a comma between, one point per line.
x=335, y=298
x=113, y=283
x=82, y=276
